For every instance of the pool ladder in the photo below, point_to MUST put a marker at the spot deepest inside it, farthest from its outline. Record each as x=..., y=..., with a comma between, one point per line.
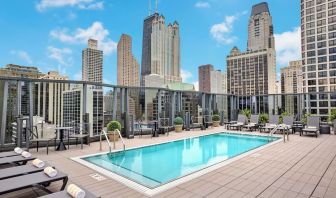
x=103, y=132
x=285, y=132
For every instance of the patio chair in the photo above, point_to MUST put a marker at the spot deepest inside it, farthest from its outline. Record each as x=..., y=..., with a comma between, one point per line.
x=313, y=125
x=241, y=121
x=19, y=160
x=47, y=140
x=254, y=120
x=142, y=129
x=19, y=170
x=164, y=125
x=38, y=180
x=196, y=122
x=65, y=194
x=272, y=123
x=207, y=120
x=81, y=131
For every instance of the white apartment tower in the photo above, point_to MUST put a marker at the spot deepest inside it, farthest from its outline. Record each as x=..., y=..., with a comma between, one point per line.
x=318, y=45
x=92, y=62
x=128, y=66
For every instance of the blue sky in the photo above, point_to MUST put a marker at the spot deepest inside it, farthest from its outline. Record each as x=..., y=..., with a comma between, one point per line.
x=51, y=34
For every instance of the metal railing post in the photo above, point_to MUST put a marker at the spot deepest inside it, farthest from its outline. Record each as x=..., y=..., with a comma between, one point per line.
x=4, y=114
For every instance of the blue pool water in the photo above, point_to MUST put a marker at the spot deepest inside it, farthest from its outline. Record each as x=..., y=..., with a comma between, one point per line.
x=155, y=165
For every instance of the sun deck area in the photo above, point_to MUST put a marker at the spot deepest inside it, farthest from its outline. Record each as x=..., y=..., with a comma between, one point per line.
x=304, y=166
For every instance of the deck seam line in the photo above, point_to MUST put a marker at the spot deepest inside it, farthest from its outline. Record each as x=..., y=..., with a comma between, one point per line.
x=290, y=168
x=323, y=175
x=234, y=179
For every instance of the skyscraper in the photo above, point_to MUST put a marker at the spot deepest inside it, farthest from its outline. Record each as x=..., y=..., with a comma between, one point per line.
x=92, y=62
x=291, y=83
x=49, y=97
x=128, y=67
x=318, y=45
x=291, y=78
x=260, y=28
x=161, y=49
x=204, y=82
x=254, y=72
x=210, y=80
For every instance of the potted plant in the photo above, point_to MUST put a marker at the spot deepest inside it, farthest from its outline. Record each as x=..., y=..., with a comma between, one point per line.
x=332, y=118
x=263, y=119
x=111, y=127
x=247, y=113
x=178, y=122
x=215, y=120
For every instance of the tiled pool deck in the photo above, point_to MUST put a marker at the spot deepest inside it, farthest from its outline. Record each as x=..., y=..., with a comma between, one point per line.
x=303, y=167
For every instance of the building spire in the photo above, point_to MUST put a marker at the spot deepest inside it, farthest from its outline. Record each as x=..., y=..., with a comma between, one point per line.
x=156, y=6
x=149, y=7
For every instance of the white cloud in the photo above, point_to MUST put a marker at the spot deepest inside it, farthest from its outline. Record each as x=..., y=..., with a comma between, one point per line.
x=202, y=4
x=93, y=6
x=196, y=84
x=185, y=75
x=61, y=55
x=81, y=36
x=81, y=4
x=22, y=55
x=221, y=32
x=288, y=46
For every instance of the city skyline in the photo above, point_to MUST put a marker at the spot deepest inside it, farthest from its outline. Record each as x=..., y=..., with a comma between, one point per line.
x=219, y=25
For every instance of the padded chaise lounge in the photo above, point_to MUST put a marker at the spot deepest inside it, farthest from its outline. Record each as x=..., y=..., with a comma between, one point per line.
x=8, y=154
x=15, y=159
x=19, y=170
x=253, y=123
x=272, y=124
x=313, y=125
x=64, y=194
x=31, y=180
x=241, y=121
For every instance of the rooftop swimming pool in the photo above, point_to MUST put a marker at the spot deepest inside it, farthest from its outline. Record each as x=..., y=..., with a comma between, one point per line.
x=155, y=165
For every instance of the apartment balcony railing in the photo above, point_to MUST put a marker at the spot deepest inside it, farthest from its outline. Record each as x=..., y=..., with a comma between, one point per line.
x=41, y=104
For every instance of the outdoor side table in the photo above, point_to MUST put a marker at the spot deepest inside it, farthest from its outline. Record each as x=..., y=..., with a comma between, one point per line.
x=61, y=146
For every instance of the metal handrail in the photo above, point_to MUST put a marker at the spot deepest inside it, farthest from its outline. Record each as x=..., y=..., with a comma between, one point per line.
x=107, y=140
x=122, y=140
x=285, y=131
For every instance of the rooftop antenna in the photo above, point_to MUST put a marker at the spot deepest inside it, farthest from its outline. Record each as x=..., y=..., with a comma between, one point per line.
x=156, y=6
x=149, y=7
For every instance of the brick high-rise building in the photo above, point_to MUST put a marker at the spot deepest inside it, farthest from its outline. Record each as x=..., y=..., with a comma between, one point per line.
x=204, y=81
x=128, y=67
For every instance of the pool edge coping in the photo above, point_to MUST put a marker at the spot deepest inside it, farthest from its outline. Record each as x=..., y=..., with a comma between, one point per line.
x=154, y=191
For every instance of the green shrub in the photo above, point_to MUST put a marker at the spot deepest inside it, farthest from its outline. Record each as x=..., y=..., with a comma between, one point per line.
x=283, y=114
x=246, y=112
x=215, y=118
x=332, y=115
x=113, y=125
x=178, y=121
x=304, y=118
x=263, y=118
